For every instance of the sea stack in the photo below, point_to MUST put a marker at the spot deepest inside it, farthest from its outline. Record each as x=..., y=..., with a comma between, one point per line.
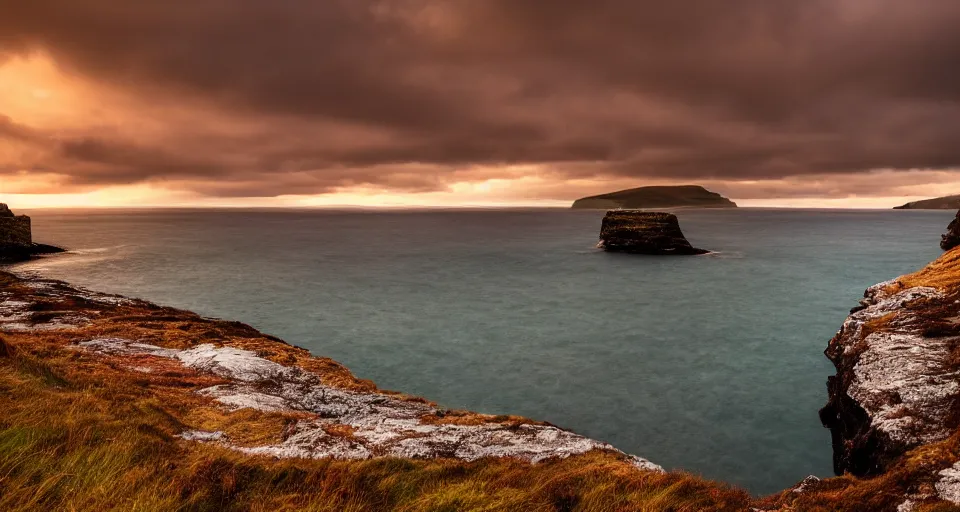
x=951, y=238
x=641, y=232
x=16, y=238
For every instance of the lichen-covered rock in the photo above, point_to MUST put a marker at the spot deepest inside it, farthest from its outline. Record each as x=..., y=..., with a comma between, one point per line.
x=951, y=238
x=641, y=232
x=894, y=387
x=330, y=416
x=379, y=425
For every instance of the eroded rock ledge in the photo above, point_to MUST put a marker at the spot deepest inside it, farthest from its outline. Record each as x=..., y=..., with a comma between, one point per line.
x=330, y=413
x=894, y=403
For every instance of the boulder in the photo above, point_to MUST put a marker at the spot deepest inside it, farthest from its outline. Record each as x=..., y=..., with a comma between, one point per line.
x=642, y=232
x=951, y=238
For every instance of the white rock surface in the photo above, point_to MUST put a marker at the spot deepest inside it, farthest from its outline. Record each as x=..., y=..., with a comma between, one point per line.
x=899, y=379
x=948, y=487
x=16, y=314
x=381, y=425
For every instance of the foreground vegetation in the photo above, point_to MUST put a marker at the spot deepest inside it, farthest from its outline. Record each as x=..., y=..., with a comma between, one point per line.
x=76, y=439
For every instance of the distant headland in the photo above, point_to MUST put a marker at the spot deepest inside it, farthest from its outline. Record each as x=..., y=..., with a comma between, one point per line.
x=690, y=196
x=939, y=203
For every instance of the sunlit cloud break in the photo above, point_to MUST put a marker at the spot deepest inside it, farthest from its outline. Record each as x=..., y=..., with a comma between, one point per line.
x=772, y=103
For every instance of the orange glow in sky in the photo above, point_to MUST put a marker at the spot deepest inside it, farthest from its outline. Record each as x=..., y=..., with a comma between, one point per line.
x=37, y=95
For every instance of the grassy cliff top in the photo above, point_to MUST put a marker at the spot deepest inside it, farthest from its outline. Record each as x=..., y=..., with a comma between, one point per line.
x=693, y=196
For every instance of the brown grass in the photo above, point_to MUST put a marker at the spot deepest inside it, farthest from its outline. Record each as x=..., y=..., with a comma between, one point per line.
x=78, y=435
x=942, y=274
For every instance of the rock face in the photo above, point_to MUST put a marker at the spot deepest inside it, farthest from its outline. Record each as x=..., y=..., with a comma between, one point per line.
x=894, y=388
x=951, y=238
x=939, y=203
x=640, y=232
x=894, y=403
x=16, y=238
x=690, y=196
x=14, y=229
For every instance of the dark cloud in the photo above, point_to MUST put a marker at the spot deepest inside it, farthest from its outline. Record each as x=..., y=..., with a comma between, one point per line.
x=346, y=92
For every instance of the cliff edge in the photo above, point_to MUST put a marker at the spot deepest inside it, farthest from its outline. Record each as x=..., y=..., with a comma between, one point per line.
x=109, y=401
x=894, y=404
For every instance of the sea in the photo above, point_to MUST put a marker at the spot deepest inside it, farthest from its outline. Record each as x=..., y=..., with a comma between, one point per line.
x=710, y=364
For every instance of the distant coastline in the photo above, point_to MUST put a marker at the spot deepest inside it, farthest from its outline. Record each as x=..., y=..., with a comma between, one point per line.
x=938, y=203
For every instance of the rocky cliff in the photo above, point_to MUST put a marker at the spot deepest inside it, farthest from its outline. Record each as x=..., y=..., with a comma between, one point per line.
x=108, y=400
x=951, y=238
x=894, y=403
x=683, y=196
x=14, y=229
x=640, y=232
x=16, y=238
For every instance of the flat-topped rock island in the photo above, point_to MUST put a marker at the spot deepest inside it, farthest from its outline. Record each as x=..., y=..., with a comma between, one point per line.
x=642, y=232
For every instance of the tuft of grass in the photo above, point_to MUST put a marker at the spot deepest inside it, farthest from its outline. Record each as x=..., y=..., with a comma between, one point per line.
x=943, y=274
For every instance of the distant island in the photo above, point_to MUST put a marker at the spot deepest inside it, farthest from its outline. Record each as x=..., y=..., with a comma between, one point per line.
x=690, y=196
x=940, y=203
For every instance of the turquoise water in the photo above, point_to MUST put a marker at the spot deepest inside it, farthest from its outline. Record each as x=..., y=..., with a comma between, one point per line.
x=712, y=364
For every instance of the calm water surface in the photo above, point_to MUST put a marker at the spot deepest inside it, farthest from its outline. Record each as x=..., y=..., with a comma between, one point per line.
x=712, y=364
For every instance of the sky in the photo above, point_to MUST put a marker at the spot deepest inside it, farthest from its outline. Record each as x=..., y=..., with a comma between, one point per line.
x=836, y=103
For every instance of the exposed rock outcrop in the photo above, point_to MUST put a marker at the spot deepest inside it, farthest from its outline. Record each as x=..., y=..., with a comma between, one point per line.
x=951, y=238
x=16, y=238
x=894, y=387
x=640, y=232
x=336, y=415
x=894, y=404
x=682, y=196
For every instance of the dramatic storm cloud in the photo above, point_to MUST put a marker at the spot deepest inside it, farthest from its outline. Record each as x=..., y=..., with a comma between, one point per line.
x=250, y=98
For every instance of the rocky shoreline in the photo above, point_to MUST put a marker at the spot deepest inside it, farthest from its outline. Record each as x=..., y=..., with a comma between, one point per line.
x=893, y=406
